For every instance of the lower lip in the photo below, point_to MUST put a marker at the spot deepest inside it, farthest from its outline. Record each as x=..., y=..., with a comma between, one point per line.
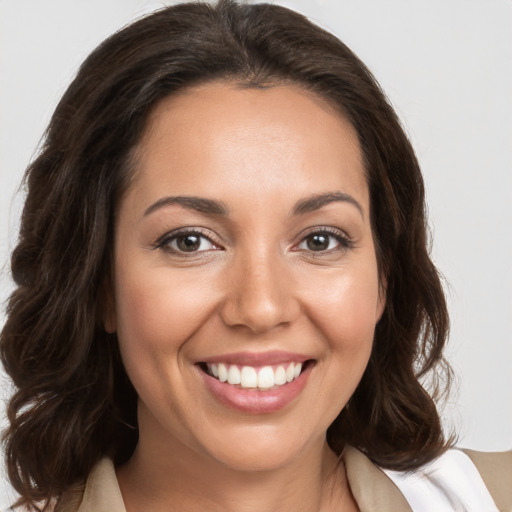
x=254, y=401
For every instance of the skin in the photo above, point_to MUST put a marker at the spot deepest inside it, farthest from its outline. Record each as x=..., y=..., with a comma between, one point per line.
x=254, y=284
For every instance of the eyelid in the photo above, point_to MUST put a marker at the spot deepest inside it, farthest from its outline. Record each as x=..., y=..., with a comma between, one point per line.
x=164, y=241
x=345, y=241
x=343, y=238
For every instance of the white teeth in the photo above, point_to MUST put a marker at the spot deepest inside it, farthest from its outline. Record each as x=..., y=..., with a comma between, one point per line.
x=289, y=372
x=280, y=376
x=233, y=375
x=266, y=378
x=248, y=377
x=223, y=373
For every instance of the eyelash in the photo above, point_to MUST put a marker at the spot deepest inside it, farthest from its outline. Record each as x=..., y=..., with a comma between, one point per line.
x=164, y=243
x=344, y=241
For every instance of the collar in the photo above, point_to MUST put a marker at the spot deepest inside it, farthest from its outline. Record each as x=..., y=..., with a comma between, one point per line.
x=102, y=493
x=372, y=489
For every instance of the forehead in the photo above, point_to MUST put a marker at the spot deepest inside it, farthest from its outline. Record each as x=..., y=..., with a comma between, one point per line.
x=220, y=139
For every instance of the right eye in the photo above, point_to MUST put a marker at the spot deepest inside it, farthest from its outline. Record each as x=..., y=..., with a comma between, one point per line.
x=186, y=242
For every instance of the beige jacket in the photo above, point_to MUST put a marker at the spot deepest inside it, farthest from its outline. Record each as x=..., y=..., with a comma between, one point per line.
x=372, y=489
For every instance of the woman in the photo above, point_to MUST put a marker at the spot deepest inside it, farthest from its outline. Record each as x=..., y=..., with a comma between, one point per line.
x=225, y=300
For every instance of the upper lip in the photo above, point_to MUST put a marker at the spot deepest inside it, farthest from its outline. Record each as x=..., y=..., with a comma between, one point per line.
x=258, y=358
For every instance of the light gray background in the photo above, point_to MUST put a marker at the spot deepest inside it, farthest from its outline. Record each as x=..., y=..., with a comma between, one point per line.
x=447, y=68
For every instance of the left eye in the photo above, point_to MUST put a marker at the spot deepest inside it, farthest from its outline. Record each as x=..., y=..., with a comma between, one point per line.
x=318, y=242
x=188, y=242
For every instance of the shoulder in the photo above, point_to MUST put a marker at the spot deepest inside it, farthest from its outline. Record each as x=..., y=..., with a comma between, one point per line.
x=454, y=482
x=457, y=480
x=495, y=468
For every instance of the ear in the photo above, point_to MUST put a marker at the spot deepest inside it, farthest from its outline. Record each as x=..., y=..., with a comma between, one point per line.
x=381, y=300
x=107, y=307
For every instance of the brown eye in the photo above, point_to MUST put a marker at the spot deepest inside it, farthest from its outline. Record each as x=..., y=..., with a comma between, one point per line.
x=325, y=241
x=188, y=243
x=319, y=242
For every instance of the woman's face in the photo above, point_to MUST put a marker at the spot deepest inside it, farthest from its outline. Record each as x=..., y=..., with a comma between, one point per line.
x=244, y=251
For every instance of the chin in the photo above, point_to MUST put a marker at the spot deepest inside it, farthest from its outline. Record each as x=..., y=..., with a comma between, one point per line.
x=261, y=449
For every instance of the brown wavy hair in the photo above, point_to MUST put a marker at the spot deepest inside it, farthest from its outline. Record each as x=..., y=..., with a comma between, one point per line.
x=73, y=403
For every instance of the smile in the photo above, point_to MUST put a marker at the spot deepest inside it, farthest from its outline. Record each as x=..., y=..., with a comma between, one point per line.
x=266, y=377
x=256, y=383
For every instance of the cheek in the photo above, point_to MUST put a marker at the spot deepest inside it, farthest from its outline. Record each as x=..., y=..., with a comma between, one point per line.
x=159, y=311
x=346, y=310
x=346, y=314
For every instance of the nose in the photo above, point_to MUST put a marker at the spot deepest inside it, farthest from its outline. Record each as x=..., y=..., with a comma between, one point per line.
x=260, y=294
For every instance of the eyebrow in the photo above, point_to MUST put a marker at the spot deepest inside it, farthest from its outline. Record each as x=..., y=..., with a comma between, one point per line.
x=212, y=207
x=316, y=202
x=199, y=204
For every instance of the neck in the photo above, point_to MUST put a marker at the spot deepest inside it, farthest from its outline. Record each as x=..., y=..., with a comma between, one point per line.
x=159, y=476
